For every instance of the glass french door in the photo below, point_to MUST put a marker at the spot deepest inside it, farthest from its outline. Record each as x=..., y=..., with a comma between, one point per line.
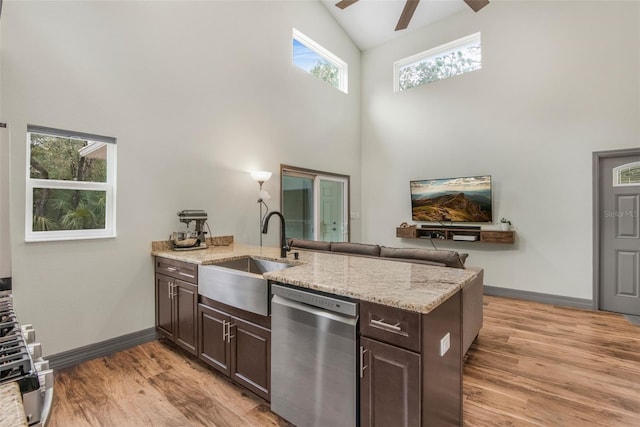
x=315, y=206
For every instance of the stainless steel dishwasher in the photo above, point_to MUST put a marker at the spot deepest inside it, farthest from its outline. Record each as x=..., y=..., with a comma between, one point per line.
x=313, y=358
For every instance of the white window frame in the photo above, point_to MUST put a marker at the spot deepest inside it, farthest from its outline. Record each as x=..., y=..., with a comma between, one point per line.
x=343, y=67
x=441, y=50
x=616, y=175
x=109, y=187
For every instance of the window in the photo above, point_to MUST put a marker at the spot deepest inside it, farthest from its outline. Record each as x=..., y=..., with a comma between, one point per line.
x=319, y=62
x=451, y=59
x=71, y=185
x=628, y=174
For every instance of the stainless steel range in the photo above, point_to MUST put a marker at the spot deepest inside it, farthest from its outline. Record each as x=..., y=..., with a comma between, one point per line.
x=21, y=362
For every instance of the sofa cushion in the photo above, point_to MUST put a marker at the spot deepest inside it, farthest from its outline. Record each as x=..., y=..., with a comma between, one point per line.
x=355, y=248
x=310, y=244
x=448, y=258
x=417, y=261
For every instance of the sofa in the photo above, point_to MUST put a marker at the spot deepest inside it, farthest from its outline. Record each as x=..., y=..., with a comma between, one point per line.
x=471, y=294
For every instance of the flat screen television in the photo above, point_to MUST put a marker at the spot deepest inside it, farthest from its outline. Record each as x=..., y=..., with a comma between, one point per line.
x=463, y=199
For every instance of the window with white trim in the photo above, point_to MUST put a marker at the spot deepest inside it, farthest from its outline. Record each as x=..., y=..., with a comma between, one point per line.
x=319, y=62
x=448, y=60
x=70, y=185
x=628, y=174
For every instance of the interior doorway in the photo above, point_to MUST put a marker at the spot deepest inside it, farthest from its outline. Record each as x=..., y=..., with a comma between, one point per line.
x=617, y=231
x=315, y=204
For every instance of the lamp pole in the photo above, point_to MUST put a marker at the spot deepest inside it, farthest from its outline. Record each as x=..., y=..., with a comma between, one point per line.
x=260, y=203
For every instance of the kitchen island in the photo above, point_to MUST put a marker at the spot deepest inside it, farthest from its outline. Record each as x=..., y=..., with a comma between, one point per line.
x=409, y=329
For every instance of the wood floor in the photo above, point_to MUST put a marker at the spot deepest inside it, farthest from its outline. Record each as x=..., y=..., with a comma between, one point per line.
x=532, y=365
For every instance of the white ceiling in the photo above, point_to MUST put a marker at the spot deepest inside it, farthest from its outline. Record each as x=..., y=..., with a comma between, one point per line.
x=370, y=23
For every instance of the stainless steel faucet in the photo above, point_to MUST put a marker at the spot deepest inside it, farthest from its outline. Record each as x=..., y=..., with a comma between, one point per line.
x=284, y=248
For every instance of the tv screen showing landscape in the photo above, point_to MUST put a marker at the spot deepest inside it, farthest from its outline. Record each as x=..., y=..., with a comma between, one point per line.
x=465, y=199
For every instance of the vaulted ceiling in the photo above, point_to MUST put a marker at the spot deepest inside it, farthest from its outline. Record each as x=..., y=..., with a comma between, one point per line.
x=370, y=23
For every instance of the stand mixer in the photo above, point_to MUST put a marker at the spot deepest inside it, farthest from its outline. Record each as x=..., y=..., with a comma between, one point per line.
x=190, y=240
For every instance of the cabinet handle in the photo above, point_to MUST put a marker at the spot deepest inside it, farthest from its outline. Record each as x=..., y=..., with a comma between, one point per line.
x=170, y=290
x=173, y=269
x=229, y=336
x=362, y=366
x=382, y=324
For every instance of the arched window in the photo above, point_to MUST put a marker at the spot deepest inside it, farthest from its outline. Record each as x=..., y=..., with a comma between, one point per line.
x=628, y=174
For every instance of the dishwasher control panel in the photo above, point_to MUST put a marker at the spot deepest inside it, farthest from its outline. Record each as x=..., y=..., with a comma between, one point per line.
x=316, y=300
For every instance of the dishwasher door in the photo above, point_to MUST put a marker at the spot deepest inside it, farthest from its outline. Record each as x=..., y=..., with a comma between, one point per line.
x=313, y=358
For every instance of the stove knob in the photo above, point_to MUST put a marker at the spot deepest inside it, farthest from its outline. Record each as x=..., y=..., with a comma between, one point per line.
x=41, y=365
x=29, y=334
x=36, y=350
x=46, y=379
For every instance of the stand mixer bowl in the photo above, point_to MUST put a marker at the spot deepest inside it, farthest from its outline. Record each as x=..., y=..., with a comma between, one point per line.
x=184, y=239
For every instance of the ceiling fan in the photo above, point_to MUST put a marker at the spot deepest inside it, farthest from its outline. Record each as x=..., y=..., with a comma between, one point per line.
x=410, y=8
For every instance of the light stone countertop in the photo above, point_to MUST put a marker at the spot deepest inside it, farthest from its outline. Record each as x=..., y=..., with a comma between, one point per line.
x=11, y=406
x=415, y=287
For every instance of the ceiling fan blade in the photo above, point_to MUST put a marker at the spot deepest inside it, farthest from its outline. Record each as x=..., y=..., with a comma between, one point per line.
x=407, y=14
x=345, y=3
x=476, y=5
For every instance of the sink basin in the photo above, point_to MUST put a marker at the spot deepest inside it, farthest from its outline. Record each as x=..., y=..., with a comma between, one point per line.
x=253, y=265
x=239, y=282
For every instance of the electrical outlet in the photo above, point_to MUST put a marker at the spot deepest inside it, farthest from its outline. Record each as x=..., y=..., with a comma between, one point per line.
x=445, y=343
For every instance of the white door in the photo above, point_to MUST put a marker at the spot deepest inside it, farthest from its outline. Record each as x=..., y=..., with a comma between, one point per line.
x=332, y=215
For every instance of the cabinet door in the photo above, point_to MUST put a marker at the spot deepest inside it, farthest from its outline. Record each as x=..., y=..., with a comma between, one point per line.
x=390, y=386
x=251, y=356
x=214, y=350
x=164, y=305
x=185, y=299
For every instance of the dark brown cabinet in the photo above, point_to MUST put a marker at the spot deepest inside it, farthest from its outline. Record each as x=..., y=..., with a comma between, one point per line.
x=409, y=376
x=177, y=303
x=237, y=348
x=390, y=385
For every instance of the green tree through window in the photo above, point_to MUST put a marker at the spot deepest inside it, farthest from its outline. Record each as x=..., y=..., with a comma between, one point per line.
x=55, y=158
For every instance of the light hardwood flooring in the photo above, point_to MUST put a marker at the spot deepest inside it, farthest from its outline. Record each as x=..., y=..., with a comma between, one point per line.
x=532, y=365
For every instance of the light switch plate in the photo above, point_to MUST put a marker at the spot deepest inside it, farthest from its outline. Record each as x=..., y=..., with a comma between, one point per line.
x=445, y=343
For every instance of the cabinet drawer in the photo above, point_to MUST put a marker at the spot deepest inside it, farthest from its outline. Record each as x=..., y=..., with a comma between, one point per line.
x=389, y=324
x=496, y=236
x=178, y=269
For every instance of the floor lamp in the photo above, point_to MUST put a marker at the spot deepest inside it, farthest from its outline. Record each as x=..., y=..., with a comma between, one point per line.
x=263, y=196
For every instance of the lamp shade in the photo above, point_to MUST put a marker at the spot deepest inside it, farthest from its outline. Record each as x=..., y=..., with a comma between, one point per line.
x=261, y=176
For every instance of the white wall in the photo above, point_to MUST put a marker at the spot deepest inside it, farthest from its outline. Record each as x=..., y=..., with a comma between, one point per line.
x=197, y=95
x=559, y=81
x=5, y=247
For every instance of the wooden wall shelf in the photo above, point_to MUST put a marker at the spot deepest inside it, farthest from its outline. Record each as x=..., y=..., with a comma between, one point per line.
x=450, y=233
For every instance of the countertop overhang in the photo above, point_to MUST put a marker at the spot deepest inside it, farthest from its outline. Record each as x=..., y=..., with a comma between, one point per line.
x=414, y=287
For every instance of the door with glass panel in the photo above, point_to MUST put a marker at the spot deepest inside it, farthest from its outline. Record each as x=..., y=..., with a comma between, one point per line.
x=619, y=232
x=297, y=206
x=315, y=205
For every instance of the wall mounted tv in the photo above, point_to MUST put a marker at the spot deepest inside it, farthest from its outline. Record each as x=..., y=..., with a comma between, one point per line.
x=464, y=199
